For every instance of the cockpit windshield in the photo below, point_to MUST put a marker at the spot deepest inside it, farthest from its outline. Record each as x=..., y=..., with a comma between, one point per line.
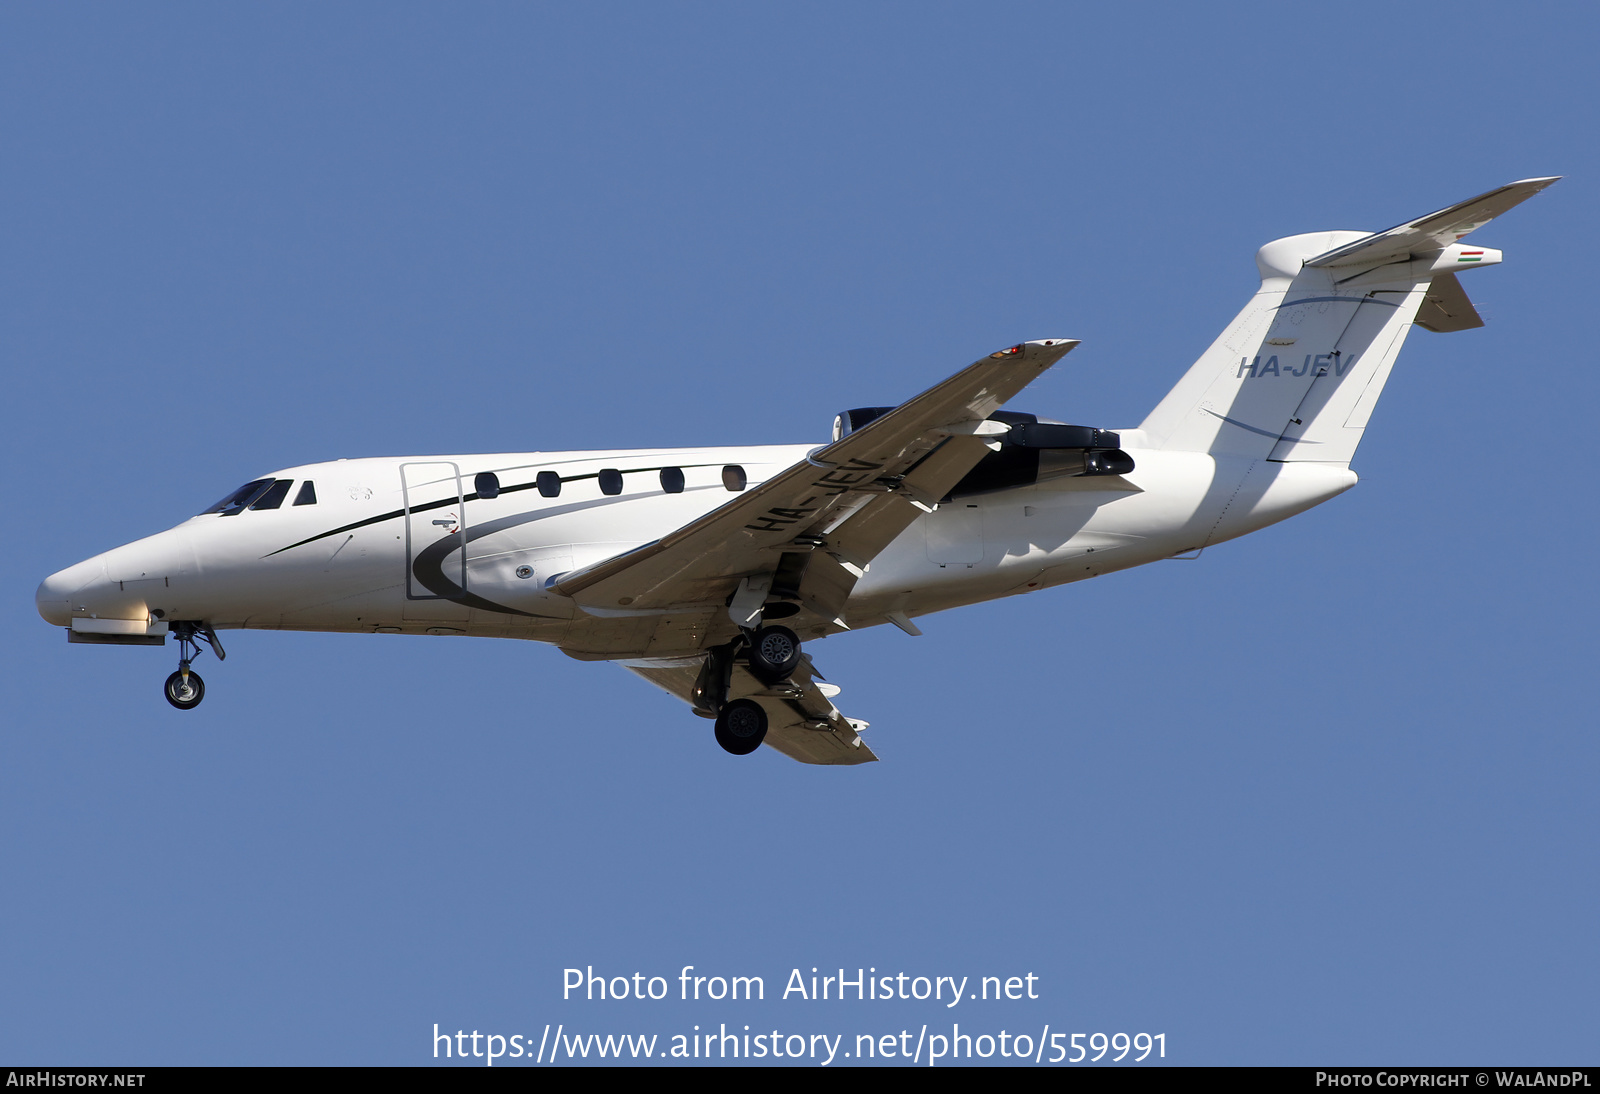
x=263, y=494
x=235, y=503
x=273, y=496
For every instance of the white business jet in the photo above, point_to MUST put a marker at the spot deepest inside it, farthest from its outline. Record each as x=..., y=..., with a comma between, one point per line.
x=705, y=569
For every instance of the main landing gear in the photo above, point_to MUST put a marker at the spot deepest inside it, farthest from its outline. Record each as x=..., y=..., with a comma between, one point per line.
x=184, y=688
x=741, y=726
x=773, y=654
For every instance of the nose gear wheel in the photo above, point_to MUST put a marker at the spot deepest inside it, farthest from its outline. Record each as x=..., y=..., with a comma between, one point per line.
x=185, y=689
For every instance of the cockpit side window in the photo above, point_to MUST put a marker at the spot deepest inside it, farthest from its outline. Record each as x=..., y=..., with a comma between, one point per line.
x=273, y=496
x=235, y=502
x=307, y=494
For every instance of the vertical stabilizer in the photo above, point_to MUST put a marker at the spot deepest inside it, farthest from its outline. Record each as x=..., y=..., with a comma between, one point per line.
x=1295, y=376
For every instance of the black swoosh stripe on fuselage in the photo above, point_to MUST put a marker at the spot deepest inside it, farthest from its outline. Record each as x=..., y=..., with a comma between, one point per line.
x=428, y=566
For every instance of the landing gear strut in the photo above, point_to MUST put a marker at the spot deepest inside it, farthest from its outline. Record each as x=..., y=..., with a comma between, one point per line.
x=184, y=688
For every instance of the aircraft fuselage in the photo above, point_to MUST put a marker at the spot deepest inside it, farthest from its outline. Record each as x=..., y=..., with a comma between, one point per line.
x=411, y=545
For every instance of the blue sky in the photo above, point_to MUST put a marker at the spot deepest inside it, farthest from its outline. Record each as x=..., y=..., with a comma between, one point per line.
x=1325, y=796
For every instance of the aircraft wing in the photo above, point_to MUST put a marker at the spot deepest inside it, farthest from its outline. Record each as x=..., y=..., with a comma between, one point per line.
x=802, y=722
x=1434, y=232
x=809, y=532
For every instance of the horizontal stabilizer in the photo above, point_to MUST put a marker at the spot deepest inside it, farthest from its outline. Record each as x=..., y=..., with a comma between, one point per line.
x=1446, y=307
x=1434, y=232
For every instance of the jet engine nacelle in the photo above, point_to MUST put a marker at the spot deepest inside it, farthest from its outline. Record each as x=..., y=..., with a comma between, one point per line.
x=1033, y=450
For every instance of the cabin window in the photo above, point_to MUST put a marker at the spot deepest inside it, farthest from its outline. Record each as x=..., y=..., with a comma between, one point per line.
x=307, y=494
x=273, y=496
x=733, y=477
x=672, y=480
x=610, y=480
x=235, y=502
x=549, y=484
x=487, y=484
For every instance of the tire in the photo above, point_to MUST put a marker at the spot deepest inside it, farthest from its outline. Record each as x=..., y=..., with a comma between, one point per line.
x=774, y=654
x=185, y=698
x=741, y=727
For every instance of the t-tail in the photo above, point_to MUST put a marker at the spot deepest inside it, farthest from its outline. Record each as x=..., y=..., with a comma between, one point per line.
x=1295, y=376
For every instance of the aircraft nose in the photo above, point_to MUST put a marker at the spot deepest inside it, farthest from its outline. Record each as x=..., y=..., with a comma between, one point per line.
x=115, y=585
x=54, y=597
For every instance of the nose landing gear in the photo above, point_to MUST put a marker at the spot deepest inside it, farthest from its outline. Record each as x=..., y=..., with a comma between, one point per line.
x=184, y=688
